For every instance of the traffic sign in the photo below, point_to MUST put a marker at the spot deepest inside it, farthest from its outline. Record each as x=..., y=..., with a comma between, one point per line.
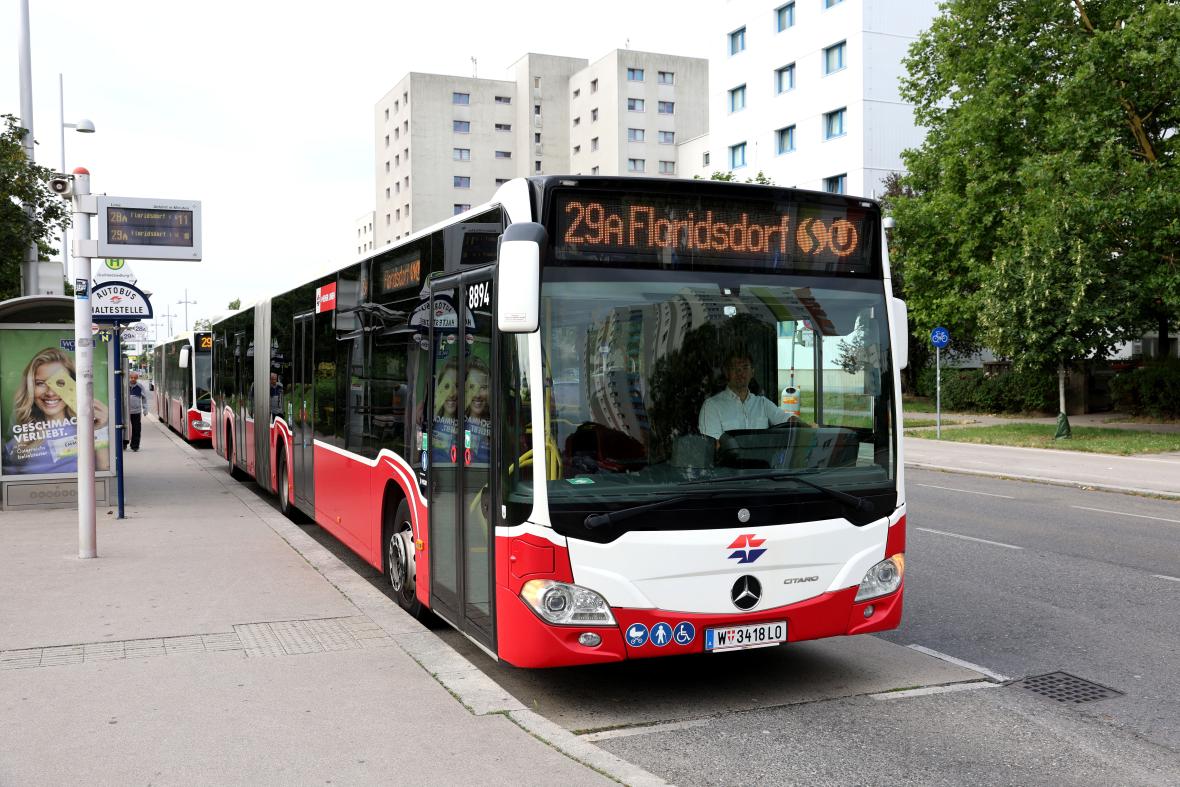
x=115, y=270
x=118, y=302
x=940, y=337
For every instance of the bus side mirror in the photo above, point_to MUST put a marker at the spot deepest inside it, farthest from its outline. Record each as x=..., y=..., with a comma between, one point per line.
x=182, y=362
x=518, y=277
x=901, y=333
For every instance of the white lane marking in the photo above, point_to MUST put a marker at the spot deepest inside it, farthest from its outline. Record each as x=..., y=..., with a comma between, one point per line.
x=968, y=491
x=1124, y=513
x=1165, y=576
x=897, y=695
x=969, y=538
x=997, y=677
x=644, y=730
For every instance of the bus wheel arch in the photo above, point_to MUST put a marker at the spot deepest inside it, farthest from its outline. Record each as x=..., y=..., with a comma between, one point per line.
x=282, y=480
x=398, y=550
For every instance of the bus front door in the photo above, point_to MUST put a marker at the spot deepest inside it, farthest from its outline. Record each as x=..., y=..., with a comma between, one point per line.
x=462, y=534
x=301, y=426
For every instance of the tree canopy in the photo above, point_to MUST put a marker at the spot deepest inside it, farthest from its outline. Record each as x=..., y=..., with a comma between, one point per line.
x=23, y=183
x=1041, y=215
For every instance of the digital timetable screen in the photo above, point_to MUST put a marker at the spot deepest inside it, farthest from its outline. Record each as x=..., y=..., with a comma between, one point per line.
x=149, y=227
x=673, y=231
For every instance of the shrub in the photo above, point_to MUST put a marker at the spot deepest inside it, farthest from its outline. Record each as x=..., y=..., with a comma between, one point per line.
x=1152, y=390
x=969, y=390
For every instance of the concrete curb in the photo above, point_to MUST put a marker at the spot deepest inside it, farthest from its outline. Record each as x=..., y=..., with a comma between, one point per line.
x=477, y=692
x=1125, y=490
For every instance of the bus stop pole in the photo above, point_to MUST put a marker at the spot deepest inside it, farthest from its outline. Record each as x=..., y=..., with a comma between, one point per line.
x=84, y=359
x=119, y=428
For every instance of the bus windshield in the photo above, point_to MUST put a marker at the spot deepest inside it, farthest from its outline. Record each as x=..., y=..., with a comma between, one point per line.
x=203, y=378
x=659, y=378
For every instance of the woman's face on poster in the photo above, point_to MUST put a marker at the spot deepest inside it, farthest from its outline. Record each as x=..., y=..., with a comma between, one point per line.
x=448, y=392
x=52, y=405
x=477, y=394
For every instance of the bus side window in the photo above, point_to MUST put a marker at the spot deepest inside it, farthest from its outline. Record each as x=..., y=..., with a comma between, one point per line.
x=389, y=396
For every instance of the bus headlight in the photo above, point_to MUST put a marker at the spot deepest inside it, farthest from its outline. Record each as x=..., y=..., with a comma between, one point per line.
x=201, y=425
x=566, y=605
x=882, y=579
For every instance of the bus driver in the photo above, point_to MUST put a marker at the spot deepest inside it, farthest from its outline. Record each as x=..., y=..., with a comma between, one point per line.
x=737, y=407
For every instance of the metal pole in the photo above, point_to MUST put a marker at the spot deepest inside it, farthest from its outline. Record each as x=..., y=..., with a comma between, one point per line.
x=65, y=230
x=31, y=269
x=119, y=428
x=84, y=361
x=938, y=392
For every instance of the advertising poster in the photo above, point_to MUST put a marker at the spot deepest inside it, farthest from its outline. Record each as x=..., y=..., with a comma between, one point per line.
x=39, y=403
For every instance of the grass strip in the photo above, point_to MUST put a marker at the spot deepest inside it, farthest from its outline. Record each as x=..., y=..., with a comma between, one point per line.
x=1085, y=438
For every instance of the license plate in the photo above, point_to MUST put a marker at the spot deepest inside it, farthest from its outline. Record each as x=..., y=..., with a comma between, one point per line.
x=754, y=635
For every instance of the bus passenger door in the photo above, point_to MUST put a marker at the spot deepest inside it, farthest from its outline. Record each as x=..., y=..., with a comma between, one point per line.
x=300, y=417
x=461, y=435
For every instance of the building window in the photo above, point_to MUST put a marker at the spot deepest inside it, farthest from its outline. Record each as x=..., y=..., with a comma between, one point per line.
x=396, y=106
x=386, y=140
x=462, y=182
x=537, y=167
x=537, y=82
x=397, y=133
x=387, y=192
x=503, y=99
x=593, y=85
x=397, y=160
x=387, y=114
x=594, y=144
x=667, y=107
x=501, y=181
x=407, y=181
x=705, y=158
x=636, y=135
x=737, y=98
x=397, y=187
x=407, y=210
x=594, y=115
x=635, y=105
x=666, y=77
x=503, y=127
x=837, y=184
x=634, y=74
x=785, y=139
x=387, y=219
x=830, y=3
x=577, y=149
x=737, y=155
x=834, y=58
x=784, y=16
x=503, y=154
x=667, y=137
x=397, y=214
x=461, y=98
x=537, y=138
x=536, y=109
x=577, y=92
x=667, y=167
x=784, y=78
x=461, y=126
x=737, y=41
x=834, y=124
x=461, y=154
x=594, y=170
x=636, y=165
x=578, y=120
x=406, y=98
x=406, y=127
x=460, y=207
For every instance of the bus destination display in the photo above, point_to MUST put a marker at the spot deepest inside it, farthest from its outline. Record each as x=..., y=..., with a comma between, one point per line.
x=149, y=227
x=399, y=275
x=672, y=231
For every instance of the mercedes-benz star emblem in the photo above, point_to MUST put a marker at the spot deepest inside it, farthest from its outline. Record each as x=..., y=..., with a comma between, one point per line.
x=746, y=593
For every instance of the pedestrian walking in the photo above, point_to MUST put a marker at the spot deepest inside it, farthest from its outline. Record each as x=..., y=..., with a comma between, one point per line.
x=136, y=404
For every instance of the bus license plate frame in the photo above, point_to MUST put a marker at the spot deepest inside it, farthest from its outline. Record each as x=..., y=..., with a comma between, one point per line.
x=745, y=637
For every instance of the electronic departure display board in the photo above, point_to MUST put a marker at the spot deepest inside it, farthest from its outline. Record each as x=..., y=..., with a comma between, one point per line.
x=204, y=342
x=702, y=233
x=148, y=229
x=398, y=274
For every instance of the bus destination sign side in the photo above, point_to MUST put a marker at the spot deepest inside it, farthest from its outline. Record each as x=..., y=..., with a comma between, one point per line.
x=149, y=229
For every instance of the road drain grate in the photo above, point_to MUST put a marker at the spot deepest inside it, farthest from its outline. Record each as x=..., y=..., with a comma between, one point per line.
x=1063, y=687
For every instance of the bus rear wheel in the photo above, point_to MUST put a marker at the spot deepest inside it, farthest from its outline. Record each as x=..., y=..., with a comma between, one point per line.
x=284, y=485
x=399, y=559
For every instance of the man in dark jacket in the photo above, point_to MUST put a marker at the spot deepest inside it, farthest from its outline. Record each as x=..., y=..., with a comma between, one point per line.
x=136, y=404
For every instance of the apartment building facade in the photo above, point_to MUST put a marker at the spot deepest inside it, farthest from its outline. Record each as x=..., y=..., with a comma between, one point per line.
x=445, y=143
x=807, y=92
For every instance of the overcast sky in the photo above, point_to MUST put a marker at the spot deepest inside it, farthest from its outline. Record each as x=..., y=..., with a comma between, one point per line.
x=265, y=113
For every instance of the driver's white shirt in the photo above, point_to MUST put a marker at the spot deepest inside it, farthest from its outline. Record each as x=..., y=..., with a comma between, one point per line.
x=726, y=411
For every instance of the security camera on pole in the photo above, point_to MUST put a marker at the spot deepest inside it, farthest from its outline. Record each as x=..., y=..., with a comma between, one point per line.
x=128, y=228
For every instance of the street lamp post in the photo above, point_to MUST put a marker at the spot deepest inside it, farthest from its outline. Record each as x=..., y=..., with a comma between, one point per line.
x=186, y=302
x=83, y=127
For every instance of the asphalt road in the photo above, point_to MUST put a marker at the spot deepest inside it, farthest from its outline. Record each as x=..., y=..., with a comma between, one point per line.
x=1018, y=579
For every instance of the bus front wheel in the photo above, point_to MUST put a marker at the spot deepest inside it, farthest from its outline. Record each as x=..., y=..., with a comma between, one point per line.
x=399, y=559
x=284, y=485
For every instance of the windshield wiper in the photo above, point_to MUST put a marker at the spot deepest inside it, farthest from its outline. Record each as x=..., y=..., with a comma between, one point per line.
x=857, y=503
x=609, y=518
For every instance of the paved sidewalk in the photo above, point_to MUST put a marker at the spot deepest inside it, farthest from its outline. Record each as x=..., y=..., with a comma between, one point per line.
x=214, y=642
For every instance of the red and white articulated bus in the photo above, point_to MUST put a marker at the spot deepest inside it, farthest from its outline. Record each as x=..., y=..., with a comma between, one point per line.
x=555, y=420
x=182, y=373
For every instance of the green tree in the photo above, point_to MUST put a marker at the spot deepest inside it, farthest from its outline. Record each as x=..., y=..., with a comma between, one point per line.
x=1044, y=218
x=24, y=184
x=761, y=178
x=235, y=304
x=202, y=324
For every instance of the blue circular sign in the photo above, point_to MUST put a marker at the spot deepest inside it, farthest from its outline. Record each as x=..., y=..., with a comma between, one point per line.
x=637, y=635
x=661, y=634
x=940, y=337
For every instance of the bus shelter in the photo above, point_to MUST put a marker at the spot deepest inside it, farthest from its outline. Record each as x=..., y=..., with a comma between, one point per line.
x=38, y=407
